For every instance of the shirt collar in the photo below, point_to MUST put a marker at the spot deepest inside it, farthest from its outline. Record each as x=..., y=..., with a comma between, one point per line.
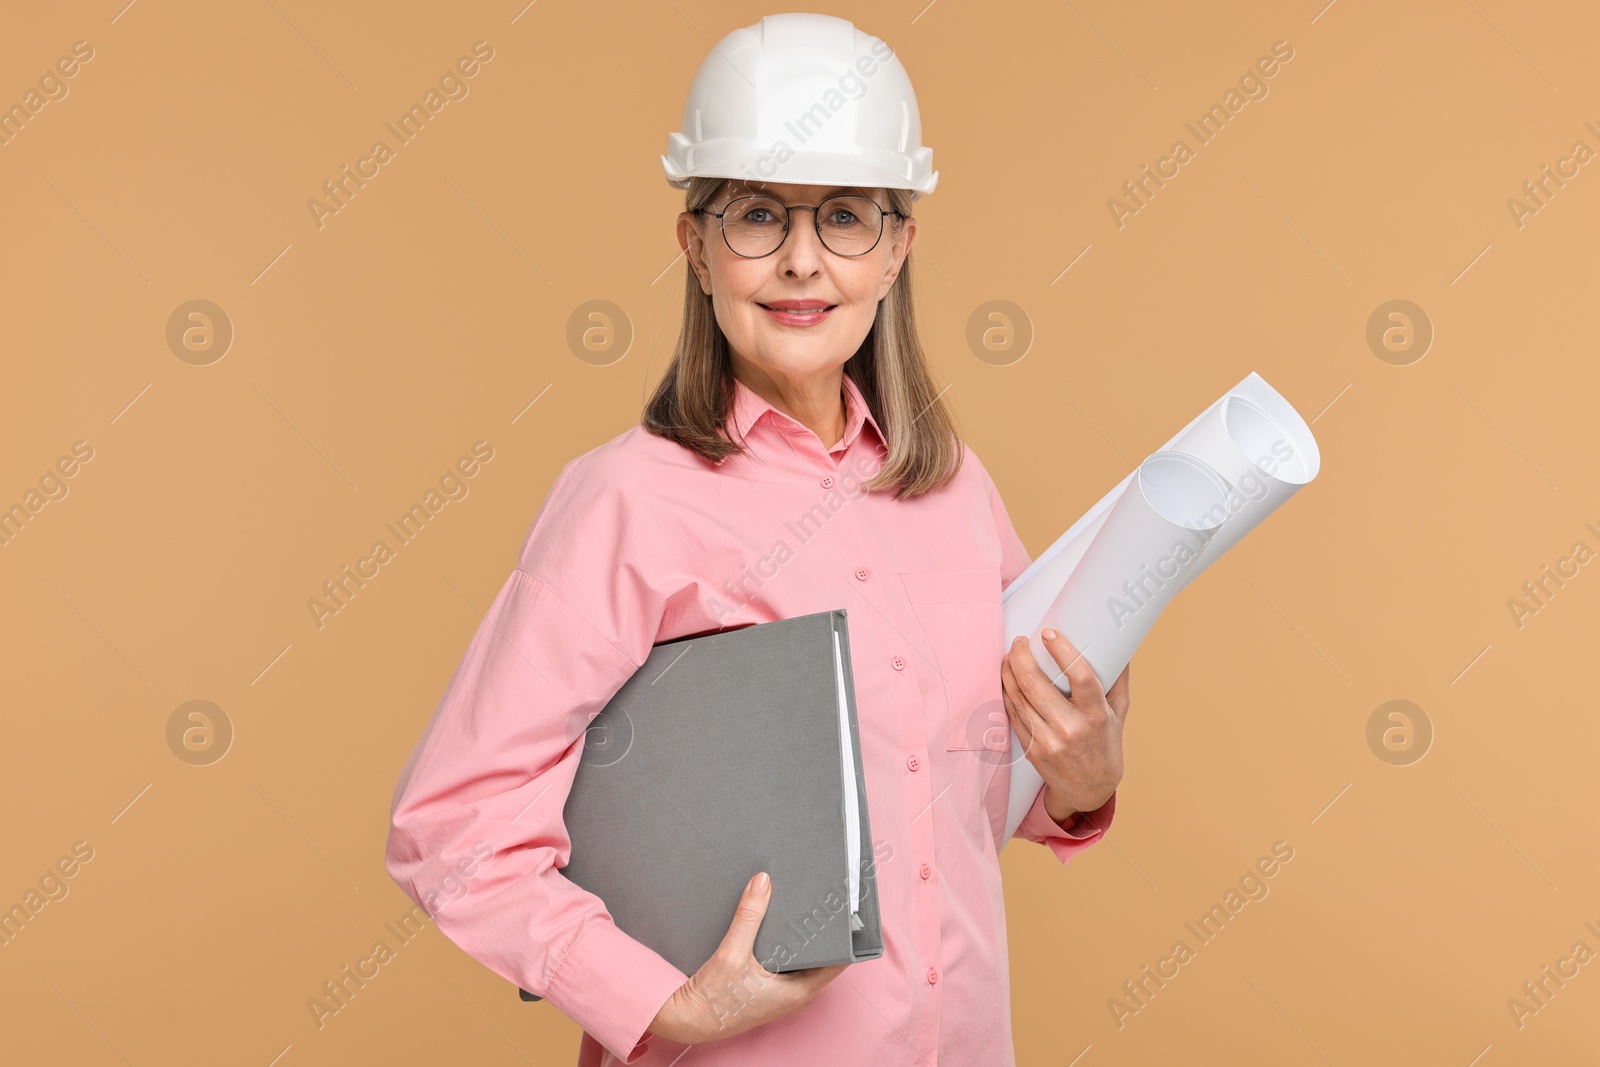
x=750, y=407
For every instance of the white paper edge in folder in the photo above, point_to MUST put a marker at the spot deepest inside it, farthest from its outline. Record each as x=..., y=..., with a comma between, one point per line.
x=1224, y=437
x=852, y=807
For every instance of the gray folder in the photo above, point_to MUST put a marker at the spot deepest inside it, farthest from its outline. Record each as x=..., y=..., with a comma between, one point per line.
x=723, y=755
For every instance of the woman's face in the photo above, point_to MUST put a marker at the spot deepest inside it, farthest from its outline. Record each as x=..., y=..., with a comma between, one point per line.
x=796, y=346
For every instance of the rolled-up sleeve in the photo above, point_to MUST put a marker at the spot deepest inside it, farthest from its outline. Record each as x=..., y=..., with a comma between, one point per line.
x=1086, y=828
x=477, y=836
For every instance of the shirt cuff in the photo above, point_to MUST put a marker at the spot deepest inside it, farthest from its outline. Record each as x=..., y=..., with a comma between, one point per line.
x=1086, y=827
x=612, y=986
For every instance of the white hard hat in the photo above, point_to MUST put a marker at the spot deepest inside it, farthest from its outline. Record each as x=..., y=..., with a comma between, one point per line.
x=807, y=99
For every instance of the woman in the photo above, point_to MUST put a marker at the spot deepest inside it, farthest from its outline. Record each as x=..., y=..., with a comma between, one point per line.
x=794, y=458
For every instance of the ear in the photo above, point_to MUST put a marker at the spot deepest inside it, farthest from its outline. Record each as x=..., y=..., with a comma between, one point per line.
x=692, y=241
x=899, y=249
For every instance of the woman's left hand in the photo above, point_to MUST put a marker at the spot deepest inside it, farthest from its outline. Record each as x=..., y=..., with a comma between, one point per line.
x=1075, y=742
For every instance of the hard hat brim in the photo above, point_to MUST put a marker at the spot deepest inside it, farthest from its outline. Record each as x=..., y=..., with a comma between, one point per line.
x=732, y=159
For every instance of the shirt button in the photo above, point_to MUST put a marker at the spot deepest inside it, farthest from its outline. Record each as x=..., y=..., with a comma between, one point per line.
x=827, y=481
x=898, y=663
x=933, y=975
x=913, y=762
x=925, y=871
x=861, y=573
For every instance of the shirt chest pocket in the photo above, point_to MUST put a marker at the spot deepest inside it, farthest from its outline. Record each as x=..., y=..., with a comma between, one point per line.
x=961, y=613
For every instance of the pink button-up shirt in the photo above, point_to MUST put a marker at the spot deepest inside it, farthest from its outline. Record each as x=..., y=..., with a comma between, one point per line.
x=642, y=541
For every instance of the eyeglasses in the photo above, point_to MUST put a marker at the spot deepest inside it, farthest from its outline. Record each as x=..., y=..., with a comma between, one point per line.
x=755, y=226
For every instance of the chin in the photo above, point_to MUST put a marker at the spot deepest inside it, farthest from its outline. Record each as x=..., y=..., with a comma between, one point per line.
x=801, y=360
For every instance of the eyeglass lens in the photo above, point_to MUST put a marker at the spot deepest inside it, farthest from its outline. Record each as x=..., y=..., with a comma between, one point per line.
x=755, y=225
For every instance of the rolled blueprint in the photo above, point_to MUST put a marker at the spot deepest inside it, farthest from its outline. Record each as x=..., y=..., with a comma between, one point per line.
x=1104, y=582
x=1159, y=528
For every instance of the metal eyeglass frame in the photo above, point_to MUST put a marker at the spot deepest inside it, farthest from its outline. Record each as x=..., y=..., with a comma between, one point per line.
x=816, y=221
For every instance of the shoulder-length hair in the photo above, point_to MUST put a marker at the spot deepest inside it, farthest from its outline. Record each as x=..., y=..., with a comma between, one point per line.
x=693, y=402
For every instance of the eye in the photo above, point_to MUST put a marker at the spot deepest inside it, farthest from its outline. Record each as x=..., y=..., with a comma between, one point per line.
x=840, y=216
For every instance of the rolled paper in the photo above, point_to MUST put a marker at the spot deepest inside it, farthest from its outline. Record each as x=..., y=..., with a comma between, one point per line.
x=1263, y=461
x=1251, y=442
x=1158, y=529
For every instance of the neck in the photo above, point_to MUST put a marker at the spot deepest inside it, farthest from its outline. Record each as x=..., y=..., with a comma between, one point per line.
x=815, y=401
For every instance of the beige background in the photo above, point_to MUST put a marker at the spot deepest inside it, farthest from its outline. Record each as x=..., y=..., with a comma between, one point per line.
x=429, y=313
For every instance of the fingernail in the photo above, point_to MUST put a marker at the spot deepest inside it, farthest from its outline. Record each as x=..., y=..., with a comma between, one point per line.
x=760, y=884
x=1048, y=634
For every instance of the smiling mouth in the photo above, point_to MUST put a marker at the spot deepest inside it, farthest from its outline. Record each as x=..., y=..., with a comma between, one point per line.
x=797, y=311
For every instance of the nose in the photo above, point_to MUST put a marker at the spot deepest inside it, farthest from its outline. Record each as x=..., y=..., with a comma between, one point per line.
x=802, y=249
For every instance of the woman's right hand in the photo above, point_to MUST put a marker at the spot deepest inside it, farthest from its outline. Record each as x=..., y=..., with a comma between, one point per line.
x=732, y=992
